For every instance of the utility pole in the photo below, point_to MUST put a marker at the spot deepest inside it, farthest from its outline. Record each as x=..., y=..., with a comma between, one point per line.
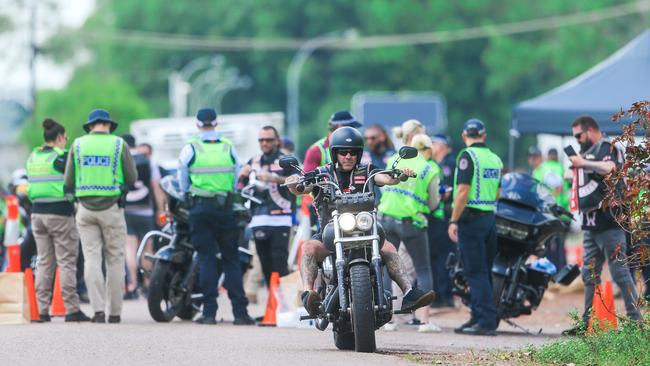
x=33, y=53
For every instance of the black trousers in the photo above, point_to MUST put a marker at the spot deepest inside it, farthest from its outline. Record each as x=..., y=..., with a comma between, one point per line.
x=272, y=245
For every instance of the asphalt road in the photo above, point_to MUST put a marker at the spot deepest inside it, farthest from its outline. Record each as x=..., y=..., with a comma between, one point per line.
x=140, y=341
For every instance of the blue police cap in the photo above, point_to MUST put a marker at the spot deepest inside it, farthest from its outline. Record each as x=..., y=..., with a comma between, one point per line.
x=474, y=128
x=206, y=115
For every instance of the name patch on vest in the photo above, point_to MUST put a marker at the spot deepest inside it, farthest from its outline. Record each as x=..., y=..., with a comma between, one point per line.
x=491, y=174
x=96, y=160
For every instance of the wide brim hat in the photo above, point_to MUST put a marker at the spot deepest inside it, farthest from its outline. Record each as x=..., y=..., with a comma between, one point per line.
x=99, y=115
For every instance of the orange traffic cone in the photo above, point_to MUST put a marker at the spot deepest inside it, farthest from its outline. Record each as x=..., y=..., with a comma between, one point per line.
x=272, y=302
x=31, y=293
x=58, y=308
x=603, y=309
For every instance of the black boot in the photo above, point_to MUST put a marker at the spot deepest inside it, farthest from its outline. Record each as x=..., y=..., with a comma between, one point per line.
x=416, y=298
x=77, y=316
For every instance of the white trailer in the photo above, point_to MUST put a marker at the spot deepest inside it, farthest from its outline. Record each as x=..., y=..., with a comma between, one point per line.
x=168, y=135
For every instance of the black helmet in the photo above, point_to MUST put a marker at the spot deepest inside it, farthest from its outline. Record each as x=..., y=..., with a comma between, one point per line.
x=346, y=138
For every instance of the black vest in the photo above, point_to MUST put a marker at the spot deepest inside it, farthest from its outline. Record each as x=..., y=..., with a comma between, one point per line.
x=140, y=193
x=358, y=179
x=276, y=200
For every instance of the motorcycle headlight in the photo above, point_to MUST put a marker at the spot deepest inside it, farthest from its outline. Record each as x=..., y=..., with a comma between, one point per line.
x=347, y=222
x=364, y=221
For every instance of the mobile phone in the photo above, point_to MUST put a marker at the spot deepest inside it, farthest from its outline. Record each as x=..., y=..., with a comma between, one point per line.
x=569, y=151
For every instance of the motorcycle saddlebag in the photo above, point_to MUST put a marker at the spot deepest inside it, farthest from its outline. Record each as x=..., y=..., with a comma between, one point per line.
x=567, y=274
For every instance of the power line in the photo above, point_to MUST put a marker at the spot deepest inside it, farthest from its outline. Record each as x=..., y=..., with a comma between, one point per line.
x=189, y=42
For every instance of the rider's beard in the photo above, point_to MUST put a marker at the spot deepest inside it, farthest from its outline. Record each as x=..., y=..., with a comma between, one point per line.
x=584, y=146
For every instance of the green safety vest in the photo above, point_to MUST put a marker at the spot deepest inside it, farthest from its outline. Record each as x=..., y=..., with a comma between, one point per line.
x=439, y=213
x=45, y=182
x=98, y=165
x=485, y=181
x=409, y=199
x=551, y=169
x=324, y=151
x=213, y=169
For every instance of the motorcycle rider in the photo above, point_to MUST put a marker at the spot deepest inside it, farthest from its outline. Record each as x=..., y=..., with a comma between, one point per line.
x=472, y=224
x=272, y=219
x=318, y=154
x=346, y=148
x=207, y=171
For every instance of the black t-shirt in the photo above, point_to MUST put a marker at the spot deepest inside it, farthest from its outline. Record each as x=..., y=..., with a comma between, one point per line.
x=466, y=166
x=344, y=182
x=55, y=208
x=601, y=219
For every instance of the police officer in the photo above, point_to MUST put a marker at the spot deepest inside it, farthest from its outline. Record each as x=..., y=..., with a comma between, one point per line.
x=551, y=173
x=439, y=243
x=57, y=239
x=403, y=209
x=99, y=170
x=318, y=154
x=272, y=218
x=207, y=172
x=472, y=224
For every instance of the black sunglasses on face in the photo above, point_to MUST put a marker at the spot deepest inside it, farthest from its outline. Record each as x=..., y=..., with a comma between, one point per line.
x=260, y=140
x=578, y=135
x=345, y=152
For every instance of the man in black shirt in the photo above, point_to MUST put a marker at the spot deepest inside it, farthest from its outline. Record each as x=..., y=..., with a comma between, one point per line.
x=603, y=238
x=272, y=218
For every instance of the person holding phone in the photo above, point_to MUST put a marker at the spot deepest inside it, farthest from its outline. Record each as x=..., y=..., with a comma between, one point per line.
x=603, y=237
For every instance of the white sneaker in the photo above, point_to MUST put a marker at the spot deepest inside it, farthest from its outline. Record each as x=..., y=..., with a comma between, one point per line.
x=390, y=327
x=429, y=328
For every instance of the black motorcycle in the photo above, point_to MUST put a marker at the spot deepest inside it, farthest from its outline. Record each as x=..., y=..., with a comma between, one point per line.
x=173, y=281
x=526, y=218
x=350, y=280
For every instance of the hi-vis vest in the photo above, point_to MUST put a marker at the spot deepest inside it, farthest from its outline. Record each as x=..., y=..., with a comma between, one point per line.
x=324, y=151
x=45, y=182
x=485, y=181
x=213, y=168
x=98, y=165
x=409, y=199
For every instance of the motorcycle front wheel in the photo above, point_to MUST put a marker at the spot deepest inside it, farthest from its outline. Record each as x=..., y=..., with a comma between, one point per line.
x=344, y=341
x=363, y=310
x=165, y=299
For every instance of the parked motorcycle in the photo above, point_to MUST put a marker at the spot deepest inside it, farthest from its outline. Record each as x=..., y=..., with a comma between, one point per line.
x=350, y=280
x=173, y=281
x=526, y=218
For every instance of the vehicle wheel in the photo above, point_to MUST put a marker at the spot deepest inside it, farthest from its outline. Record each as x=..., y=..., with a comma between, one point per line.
x=344, y=341
x=160, y=306
x=363, y=310
x=498, y=286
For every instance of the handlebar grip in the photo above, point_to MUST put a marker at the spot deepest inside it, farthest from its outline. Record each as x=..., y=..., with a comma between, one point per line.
x=403, y=177
x=300, y=188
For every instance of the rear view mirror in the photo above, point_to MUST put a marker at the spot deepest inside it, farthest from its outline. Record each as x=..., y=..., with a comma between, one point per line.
x=288, y=162
x=408, y=152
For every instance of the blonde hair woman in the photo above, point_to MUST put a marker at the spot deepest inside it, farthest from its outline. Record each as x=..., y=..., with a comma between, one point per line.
x=403, y=210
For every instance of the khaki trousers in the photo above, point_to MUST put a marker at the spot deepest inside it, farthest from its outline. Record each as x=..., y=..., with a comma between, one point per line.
x=103, y=232
x=57, y=245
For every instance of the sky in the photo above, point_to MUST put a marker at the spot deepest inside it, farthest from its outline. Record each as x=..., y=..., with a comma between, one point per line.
x=14, y=44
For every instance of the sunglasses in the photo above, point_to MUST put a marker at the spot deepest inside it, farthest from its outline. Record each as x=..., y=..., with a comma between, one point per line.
x=260, y=140
x=346, y=152
x=578, y=135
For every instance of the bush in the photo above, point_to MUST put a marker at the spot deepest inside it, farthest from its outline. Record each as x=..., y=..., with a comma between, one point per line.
x=629, y=345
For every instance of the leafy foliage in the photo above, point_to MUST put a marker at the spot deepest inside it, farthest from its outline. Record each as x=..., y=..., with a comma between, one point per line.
x=480, y=78
x=85, y=92
x=626, y=346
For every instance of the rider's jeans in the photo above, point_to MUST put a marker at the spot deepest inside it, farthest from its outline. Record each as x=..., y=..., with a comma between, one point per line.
x=477, y=241
x=214, y=229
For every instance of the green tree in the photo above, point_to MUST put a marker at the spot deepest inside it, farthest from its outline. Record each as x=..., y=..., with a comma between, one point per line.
x=480, y=78
x=85, y=92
